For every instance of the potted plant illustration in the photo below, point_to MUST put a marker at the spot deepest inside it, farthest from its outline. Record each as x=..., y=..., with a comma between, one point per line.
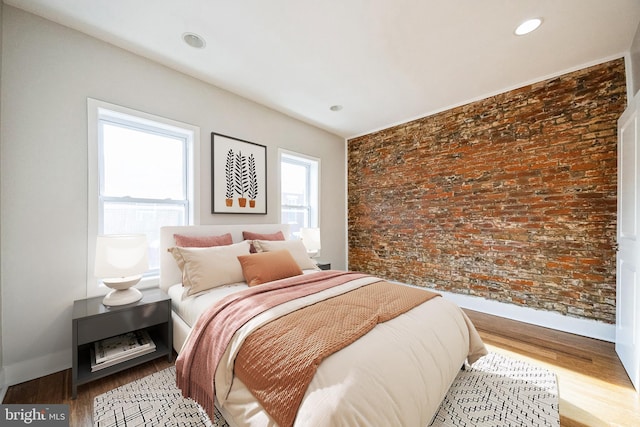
x=228, y=170
x=253, y=182
x=241, y=178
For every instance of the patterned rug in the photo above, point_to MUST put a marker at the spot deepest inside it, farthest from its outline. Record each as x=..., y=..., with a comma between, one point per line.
x=500, y=391
x=495, y=391
x=152, y=401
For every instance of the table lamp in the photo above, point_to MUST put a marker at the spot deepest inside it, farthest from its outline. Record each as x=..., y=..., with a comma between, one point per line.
x=120, y=262
x=311, y=240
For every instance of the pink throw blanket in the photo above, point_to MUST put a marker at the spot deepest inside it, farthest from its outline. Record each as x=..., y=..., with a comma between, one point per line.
x=197, y=363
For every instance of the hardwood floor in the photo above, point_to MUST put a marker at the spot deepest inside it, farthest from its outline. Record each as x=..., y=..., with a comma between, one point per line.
x=594, y=388
x=56, y=388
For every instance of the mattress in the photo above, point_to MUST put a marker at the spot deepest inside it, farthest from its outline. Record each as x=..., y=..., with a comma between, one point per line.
x=189, y=308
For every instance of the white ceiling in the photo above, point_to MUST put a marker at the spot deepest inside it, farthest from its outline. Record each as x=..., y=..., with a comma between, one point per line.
x=385, y=61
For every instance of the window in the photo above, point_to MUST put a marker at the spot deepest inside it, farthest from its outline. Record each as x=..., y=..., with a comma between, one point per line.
x=141, y=177
x=299, y=191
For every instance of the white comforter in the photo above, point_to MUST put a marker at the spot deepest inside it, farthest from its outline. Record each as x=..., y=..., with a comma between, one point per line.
x=396, y=375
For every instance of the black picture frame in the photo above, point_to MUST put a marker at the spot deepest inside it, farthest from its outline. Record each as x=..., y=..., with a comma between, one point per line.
x=238, y=176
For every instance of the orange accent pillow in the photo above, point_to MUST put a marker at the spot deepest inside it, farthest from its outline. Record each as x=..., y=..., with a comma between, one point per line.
x=268, y=266
x=250, y=235
x=202, y=241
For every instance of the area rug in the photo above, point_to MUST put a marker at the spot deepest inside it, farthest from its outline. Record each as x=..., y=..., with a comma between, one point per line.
x=495, y=391
x=500, y=391
x=154, y=400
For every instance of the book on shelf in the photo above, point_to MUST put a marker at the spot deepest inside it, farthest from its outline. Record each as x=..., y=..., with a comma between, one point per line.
x=131, y=355
x=122, y=346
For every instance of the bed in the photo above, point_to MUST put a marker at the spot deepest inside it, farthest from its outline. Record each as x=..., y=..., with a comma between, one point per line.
x=396, y=373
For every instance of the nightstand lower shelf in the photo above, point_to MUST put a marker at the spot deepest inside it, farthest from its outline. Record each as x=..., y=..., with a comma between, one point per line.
x=85, y=374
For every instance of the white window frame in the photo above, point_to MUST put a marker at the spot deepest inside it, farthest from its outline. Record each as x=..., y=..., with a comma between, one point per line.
x=99, y=110
x=314, y=183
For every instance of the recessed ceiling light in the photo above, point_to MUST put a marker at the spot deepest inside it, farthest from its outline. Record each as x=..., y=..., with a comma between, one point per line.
x=335, y=108
x=193, y=40
x=528, y=26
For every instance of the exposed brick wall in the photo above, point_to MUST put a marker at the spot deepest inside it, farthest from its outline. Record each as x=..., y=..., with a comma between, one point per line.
x=512, y=198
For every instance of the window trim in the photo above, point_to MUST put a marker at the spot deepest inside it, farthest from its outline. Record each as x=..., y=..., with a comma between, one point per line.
x=314, y=190
x=97, y=110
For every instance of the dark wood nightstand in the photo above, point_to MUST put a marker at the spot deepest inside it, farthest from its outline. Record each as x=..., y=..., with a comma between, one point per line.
x=322, y=265
x=92, y=321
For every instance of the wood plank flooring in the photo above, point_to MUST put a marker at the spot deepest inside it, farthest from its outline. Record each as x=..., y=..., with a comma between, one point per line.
x=594, y=388
x=56, y=388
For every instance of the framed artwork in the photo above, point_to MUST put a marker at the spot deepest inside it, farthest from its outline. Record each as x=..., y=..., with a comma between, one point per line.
x=238, y=176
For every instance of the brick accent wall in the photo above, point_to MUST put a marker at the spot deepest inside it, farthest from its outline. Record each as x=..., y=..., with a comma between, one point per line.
x=511, y=198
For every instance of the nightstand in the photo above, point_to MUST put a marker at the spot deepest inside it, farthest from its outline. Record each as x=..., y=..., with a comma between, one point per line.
x=92, y=321
x=322, y=265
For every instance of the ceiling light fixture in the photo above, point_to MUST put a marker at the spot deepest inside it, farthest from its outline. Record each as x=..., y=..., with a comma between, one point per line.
x=528, y=26
x=193, y=40
x=335, y=108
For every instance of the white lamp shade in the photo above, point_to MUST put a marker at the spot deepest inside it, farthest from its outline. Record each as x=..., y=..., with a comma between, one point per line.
x=121, y=255
x=311, y=239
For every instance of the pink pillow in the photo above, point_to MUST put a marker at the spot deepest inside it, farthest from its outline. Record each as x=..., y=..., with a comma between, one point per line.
x=249, y=235
x=202, y=241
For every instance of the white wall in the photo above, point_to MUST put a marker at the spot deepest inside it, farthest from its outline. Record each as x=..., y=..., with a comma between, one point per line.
x=635, y=64
x=48, y=71
x=2, y=388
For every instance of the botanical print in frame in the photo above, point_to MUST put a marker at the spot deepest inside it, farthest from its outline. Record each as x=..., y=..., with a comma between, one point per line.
x=238, y=176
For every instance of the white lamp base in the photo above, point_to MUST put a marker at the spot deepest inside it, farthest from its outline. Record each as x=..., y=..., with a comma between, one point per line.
x=122, y=297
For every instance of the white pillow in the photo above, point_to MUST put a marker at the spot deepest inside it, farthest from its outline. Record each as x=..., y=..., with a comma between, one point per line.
x=295, y=247
x=207, y=268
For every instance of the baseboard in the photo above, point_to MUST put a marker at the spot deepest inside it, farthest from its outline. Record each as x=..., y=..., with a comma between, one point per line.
x=37, y=367
x=548, y=319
